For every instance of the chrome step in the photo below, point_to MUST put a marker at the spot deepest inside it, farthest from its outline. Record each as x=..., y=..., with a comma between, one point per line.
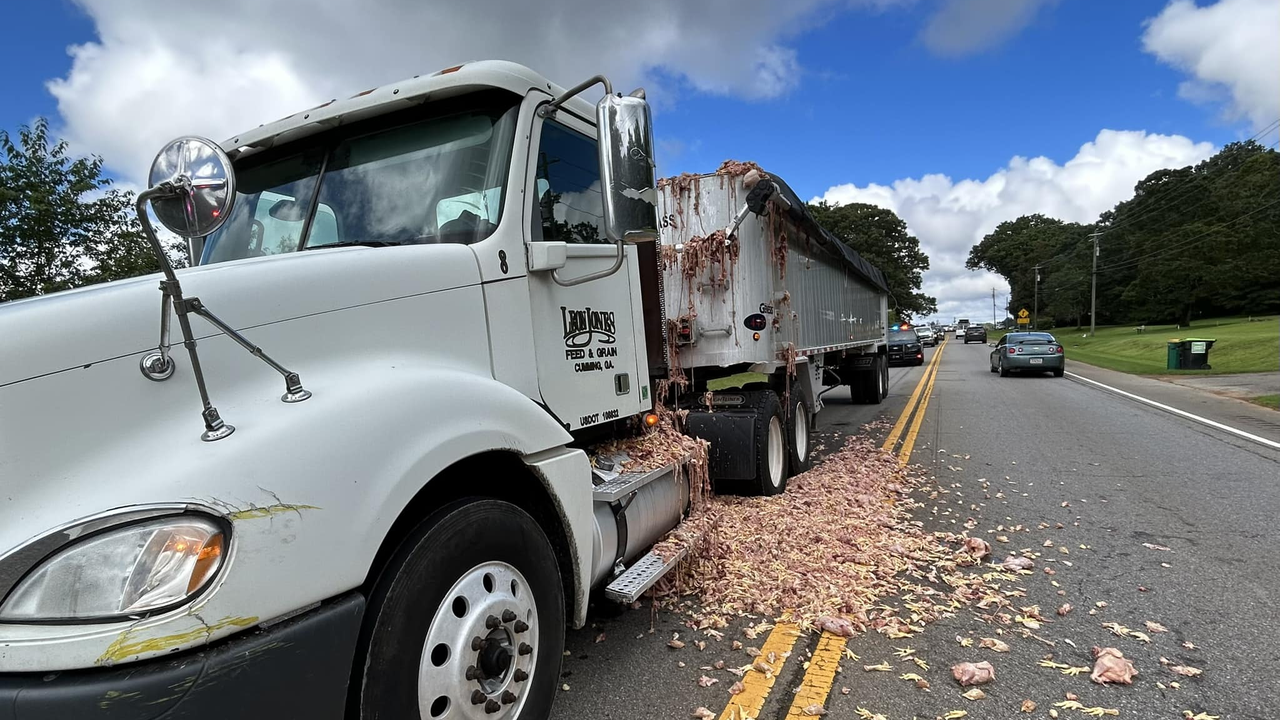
x=641, y=576
x=627, y=483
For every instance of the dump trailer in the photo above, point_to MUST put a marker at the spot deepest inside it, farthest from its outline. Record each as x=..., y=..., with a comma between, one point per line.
x=756, y=290
x=375, y=449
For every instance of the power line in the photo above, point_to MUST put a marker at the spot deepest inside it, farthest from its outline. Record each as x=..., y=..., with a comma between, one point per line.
x=1157, y=206
x=1183, y=244
x=1181, y=192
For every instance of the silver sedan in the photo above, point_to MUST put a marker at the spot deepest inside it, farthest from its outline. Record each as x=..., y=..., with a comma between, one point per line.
x=1028, y=351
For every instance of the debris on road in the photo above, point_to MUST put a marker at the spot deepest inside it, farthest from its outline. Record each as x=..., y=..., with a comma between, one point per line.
x=969, y=673
x=974, y=694
x=836, y=543
x=1028, y=706
x=1111, y=666
x=1017, y=562
x=999, y=646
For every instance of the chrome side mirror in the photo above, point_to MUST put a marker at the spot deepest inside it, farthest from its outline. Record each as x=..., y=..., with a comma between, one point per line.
x=204, y=186
x=627, y=171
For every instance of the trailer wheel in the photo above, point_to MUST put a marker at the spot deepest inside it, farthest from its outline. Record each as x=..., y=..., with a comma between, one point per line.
x=771, y=447
x=467, y=622
x=878, y=381
x=798, y=430
x=870, y=386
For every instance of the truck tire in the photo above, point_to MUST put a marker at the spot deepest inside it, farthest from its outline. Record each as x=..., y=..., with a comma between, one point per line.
x=771, y=447
x=878, y=382
x=468, y=619
x=869, y=386
x=799, y=418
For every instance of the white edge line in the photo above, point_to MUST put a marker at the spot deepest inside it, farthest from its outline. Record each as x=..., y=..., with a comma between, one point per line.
x=1206, y=421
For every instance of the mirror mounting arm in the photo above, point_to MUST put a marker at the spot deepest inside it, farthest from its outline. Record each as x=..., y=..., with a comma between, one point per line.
x=549, y=110
x=159, y=363
x=293, y=390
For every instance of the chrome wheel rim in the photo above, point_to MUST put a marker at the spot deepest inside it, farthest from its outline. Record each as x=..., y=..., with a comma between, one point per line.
x=801, y=440
x=775, y=451
x=479, y=656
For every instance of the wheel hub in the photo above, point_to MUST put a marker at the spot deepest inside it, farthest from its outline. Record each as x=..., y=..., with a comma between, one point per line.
x=495, y=658
x=479, y=654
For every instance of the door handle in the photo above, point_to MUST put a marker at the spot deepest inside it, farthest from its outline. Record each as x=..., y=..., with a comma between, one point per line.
x=617, y=264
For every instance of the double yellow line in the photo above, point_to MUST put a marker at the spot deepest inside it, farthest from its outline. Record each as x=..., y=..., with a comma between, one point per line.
x=918, y=403
x=820, y=675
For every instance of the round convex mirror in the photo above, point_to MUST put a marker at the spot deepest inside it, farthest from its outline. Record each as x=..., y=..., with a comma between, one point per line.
x=201, y=173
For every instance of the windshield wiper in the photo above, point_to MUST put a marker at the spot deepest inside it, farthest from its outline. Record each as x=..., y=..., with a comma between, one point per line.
x=354, y=243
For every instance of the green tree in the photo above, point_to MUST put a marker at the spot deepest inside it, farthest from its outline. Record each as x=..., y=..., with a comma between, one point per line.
x=881, y=237
x=61, y=223
x=1192, y=241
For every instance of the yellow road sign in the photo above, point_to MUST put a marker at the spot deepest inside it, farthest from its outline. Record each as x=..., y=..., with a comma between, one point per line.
x=1024, y=321
x=1023, y=313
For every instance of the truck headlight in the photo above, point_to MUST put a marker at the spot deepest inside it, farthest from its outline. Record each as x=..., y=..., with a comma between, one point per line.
x=126, y=571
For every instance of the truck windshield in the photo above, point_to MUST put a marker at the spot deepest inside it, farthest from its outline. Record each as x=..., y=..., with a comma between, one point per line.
x=435, y=180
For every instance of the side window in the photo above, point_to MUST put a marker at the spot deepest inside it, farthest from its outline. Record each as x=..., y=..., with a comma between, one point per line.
x=567, y=188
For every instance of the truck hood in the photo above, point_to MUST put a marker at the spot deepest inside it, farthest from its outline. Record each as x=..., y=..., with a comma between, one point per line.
x=77, y=328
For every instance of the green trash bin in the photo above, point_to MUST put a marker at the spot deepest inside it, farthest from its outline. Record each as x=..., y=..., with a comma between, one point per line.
x=1195, y=353
x=1174, y=360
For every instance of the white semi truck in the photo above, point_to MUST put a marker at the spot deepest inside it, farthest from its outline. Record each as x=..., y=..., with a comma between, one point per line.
x=455, y=283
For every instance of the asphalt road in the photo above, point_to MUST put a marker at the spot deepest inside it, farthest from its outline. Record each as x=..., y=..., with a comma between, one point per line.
x=1027, y=451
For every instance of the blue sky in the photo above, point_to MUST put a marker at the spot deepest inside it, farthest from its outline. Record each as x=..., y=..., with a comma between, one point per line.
x=918, y=105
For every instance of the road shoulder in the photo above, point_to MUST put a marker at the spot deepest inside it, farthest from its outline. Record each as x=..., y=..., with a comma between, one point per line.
x=1229, y=411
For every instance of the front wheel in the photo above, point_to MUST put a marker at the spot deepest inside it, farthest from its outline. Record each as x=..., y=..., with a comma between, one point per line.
x=467, y=622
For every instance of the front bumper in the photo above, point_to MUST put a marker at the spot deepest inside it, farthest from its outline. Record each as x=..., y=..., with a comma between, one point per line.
x=296, y=669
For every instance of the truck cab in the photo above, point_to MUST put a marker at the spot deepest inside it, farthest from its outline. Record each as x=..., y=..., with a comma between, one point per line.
x=445, y=272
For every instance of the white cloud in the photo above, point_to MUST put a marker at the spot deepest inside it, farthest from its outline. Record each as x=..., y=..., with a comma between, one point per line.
x=950, y=216
x=1229, y=48
x=964, y=27
x=219, y=68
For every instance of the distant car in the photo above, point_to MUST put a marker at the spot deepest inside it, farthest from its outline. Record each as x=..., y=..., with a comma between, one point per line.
x=949, y=329
x=927, y=336
x=905, y=348
x=1028, y=351
x=975, y=333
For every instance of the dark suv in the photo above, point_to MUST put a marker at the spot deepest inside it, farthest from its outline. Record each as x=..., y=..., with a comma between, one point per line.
x=975, y=333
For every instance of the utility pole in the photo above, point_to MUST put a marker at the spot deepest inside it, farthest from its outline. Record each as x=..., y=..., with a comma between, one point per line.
x=1035, y=315
x=1093, y=302
x=993, y=307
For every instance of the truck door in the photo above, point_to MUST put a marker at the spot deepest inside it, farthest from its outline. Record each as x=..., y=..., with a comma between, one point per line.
x=585, y=336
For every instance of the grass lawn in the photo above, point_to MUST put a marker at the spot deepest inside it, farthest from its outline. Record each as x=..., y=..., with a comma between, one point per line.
x=1271, y=401
x=1241, y=346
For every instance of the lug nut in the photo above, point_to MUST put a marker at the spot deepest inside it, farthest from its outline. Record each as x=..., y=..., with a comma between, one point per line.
x=492, y=622
x=492, y=706
x=520, y=675
x=525, y=648
x=508, y=616
x=477, y=697
x=477, y=643
x=472, y=673
x=508, y=697
x=521, y=626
